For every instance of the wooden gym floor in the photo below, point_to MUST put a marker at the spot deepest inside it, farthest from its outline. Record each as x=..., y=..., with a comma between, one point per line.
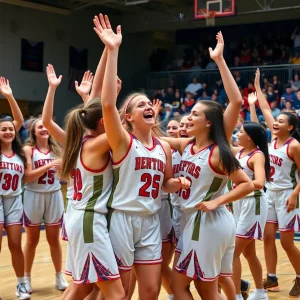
x=43, y=273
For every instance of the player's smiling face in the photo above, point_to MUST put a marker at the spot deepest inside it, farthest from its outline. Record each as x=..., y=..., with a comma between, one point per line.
x=183, y=127
x=243, y=137
x=197, y=122
x=141, y=112
x=40, y=130
x=173, y=129
x=7, y=132
x=281, y=125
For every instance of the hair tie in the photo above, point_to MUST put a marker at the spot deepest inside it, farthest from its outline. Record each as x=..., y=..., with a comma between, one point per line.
x=82, y=112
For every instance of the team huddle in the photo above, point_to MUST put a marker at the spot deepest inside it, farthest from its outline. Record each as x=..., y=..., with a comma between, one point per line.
x=136, y=196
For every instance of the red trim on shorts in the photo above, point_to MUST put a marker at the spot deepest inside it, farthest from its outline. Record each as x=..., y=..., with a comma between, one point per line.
x=226, y=274
x=148, y=262
x=125, y=268
x=53, y=224
x=271, y=221
x=37, y=148
x=244, y=237
x=129, y=147
x=286, y=230
x=11, y=224
x=201, y=278
x=209, y=162
x=68, y=273
x=1, y=222
x=178, y=250
x=112, y=277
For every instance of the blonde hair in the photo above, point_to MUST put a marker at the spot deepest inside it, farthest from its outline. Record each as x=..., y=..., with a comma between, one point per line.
x=76, y=121
x=54, y=147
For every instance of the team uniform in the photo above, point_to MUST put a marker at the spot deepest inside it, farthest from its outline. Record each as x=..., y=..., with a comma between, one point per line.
x=177, y=212
x=90, y=253
x=250, y=213
x=135, y=199
x=208, y=239
x=43, y=199
x=284, y=177
x=11, y=174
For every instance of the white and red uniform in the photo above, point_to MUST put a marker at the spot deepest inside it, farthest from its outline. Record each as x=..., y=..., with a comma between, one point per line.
x=43, y=200
x=250, y=213
x=11, y=174
x=284, y=178
x=134, y=224
x=208, y=239
x=90, y=256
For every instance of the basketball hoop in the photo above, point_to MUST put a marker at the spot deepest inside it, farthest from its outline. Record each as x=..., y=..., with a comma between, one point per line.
x=209, y=15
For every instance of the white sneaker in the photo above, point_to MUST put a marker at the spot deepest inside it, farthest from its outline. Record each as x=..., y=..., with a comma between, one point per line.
x=256, y=295
x=27, y=281
x=60, y=282
x=21, y=292
x=239, y=297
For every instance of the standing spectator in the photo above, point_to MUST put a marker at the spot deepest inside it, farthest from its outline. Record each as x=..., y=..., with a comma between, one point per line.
x=193, y=87
x=296, y=38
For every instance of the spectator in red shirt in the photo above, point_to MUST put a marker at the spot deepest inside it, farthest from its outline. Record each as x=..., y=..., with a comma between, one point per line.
x=189, y=101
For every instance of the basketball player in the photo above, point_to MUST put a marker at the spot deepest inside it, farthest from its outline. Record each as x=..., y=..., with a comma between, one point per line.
x=12, y=166
x=250, y=213
x=142, y=165
x=282, y=192
x=43, y=201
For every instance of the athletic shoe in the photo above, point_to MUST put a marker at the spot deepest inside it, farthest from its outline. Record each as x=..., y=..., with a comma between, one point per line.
x=271, y=285
x=295, y=291
x=60, y=282
x=256, y=295
x=21, y=292
x=239, y=297
x=27, y=281
x=245, y=288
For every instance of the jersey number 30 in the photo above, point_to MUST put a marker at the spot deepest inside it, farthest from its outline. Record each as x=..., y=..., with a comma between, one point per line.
x=149, y=181
x=11, y=182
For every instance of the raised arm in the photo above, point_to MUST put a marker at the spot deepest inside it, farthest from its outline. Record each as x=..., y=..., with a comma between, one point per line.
x=6, y=91
x=47, y=115
x=85, y=86
x=252, y=98
x=118, y=137
x=263, y=103
x=232, y=111
x=99, y=75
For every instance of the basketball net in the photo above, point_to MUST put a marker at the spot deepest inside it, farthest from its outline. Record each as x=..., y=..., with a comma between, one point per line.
x=209, y=16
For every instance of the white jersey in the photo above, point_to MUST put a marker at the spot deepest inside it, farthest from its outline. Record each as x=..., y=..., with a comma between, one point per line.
x=11, y=174
x=138, y=178
x=244, y=162
x=282, y=168
x=176, y=158
x=91, y=188
x=49, y=181
x=206, y=183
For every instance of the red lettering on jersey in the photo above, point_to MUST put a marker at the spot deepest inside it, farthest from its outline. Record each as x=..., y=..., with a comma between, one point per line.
x=197, y=172
x=276, y=160
x=143, y=166
x=137, y=163
x=154, y=161
x=148, y=162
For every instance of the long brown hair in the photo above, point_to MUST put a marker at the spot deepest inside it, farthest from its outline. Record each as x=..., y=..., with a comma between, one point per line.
x=76, y=121
x=54, y=147
x=127, y=108
x=16, y=144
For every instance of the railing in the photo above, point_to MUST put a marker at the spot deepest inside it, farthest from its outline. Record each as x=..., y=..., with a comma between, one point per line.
x=183, y=78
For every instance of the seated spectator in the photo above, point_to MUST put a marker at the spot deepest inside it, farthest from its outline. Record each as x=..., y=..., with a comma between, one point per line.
x=180, y=111
x=289, y=94
x=170, y=97
x=237, y=62
x=189, y=101
x=265, y=85
x=211, y=65
x=204, y=96
x=271, y=96
x=288, y=107
x=275, y=111
x=158, y=94
x=276, y=84
x=283, y=59
x=296, y=103
x=296, y=83
x=193, y=87
x=296, y=59
x=178, y=100
x=239, y=81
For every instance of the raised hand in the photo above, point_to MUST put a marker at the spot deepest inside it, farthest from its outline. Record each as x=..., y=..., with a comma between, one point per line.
x=5, y=89
x=252, y=98
x=86, y=84
x=52, y=78
x=108, y=37
x=217, y=53
x=257, y=79
x=157, y=107
x=119, y=85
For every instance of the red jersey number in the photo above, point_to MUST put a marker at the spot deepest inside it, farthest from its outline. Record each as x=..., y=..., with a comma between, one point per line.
x=10, y=182
x=149, y=181
x=76, y=175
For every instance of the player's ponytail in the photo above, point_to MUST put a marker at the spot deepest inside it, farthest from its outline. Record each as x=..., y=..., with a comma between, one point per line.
x=76, y=121
x=259, y=137
x=214, y=113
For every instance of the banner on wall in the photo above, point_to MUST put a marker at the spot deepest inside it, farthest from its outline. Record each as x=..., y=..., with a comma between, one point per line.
x=78, y=61
x=32, y=54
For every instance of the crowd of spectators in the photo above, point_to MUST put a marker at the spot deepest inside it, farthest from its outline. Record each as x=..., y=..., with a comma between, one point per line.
x=280, y=96
x=251, y=50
